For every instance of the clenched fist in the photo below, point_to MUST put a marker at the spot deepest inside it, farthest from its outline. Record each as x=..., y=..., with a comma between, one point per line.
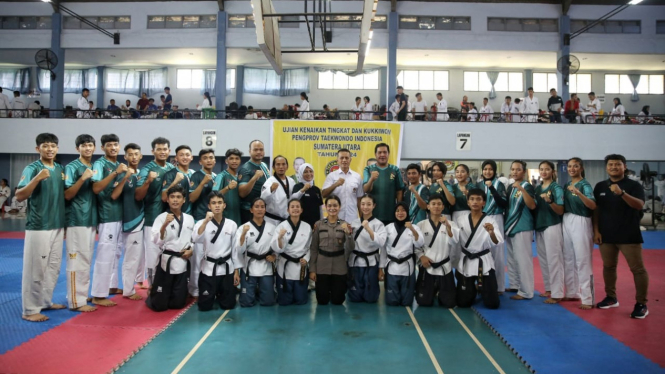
x=121, y=168
x=87, y=174
x=43, y=174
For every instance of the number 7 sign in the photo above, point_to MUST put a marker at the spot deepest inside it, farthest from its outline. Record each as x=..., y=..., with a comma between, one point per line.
x=463, y=141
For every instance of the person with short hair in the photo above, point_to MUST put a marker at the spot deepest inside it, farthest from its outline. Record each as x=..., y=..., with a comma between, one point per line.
x=357, y=108
x=346, y=184
x=441, y=108
x=168, y=99
x=19, y=106
x=109, y=248
x=476, y=265
x=507, y=109
x=227, y=183
x=435, y=276
x=34, y=109
x=384, y=181
x=531, y=106
x=572, y=108
x=296, y=165
x=172, y=233
x=133, y=219
x=43, y=185
x=591, y=109
x=397, y=258
x=416, y=194
x=517, y=111
x=81, y=213
x=252, y=176
x=253, y=240
x=554, y=105
x=4, y=105
x=472, y=114
x=486, y=111
x=367, y=109
x=292, y=243
x=616, y=227
x=149, y=190
x=142, y=104
x=181, y=174
x=219, y=275
x=404, y=104
x=82, y=104
x=5, y=192
x=419, y=108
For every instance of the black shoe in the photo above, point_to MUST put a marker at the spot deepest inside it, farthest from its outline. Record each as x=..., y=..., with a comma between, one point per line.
x=514, y=290
x=640, y=311
x=607, y=303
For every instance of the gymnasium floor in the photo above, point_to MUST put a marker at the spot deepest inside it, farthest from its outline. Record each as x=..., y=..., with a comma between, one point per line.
x=520, y=337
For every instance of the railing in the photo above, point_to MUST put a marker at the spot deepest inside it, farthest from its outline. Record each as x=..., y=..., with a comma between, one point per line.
x=187, y=114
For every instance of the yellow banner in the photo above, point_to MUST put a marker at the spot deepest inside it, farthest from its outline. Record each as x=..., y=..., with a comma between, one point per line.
x=317, y=143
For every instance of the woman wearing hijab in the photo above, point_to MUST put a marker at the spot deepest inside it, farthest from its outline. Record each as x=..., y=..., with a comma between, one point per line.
x=495, y=205
x=309, y=195
x=618, y=112
x=397, y=258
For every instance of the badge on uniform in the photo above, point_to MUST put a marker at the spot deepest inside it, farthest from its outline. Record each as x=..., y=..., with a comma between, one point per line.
x=518, y=194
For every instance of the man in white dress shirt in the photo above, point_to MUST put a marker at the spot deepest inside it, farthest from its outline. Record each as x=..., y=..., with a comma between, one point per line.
x=346, y=184
x=83, y=104
x=441, y=108
x=531, y=107
x=486, y=111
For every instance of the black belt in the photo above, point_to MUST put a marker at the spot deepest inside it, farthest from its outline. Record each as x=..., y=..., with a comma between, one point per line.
x=289, y=259
x=473, y=256
x=331, y=254
x=275, y=217
x=219, y=261
x=364, y=256
x=254, y=256
x=168, y=262
x=436, y=265
x=401, y=261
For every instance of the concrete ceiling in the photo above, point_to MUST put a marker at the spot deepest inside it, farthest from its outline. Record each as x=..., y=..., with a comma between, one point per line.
x=575, y=2
x=205, y=57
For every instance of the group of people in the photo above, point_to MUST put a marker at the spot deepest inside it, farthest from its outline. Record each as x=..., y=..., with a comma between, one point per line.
x=205, y=234
x=17, y=107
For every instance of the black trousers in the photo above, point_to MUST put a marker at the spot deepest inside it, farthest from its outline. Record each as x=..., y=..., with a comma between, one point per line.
x=330, y=289
x=218, y=288
x=431, y=286
x=169, y=291
x=466, y=290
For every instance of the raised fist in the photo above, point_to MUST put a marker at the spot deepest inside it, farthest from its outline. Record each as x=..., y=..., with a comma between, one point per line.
x=87, y=174
x=232, y=185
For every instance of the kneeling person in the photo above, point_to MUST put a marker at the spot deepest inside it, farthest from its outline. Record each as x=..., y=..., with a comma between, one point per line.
x=219, y=275
x=435, y=277
x=172, y=233
x=477, y=236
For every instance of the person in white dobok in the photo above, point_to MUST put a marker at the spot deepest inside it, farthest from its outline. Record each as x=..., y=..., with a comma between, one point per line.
x=5, y=192
x=495, y=206
x=357, y=108
x=367, y=110
x=219, y=275
x=477, y=236
x=253, y=241
x=591, y=110
x=486, y=111
x=618, y=113
x=276, y=191
x=441, y=108
x=394, y=107
x=83, y=105
x=304, y=110
x=531, y=106
x=507, y=109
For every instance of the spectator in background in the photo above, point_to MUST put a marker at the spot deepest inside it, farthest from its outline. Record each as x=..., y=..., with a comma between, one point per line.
x=395, y=107
x=82, y=104
x=531, y=106
x=112, y=107
x=330, y=114
x=419, y=108
x=5, y=192
x=304, y=107
x=367, y=109
x=34, y=109
x=18, y=105
x=463, y=115
x=162, y=98
x=357, y=108
x=472, y=115
x=207, y=103
x=126, y=108
x=152, y=108
x=441, y=108
x=465, y=103
x=4, y=105
x=554, y=104
x=486, y=111
x=409, y=106
x=403, y=109
x=591, y=110
x=517, y=110
x=572, y=109
x=142, y=104
x=507, y=109
x=168, y=100
x=250, y=113
x=175, y=114
x=618, y=112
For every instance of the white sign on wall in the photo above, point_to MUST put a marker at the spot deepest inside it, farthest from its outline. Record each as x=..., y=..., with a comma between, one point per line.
x=209, y=139
x=601, y=98
x=463, y=141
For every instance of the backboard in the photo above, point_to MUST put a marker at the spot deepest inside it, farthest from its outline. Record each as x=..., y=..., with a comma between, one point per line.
x=267, y=32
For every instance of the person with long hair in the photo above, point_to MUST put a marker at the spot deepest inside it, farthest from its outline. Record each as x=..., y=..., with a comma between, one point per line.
x=519, y=232
x=618, y=112
x=370, y=236
x=495, y=206
x=253, y=241
x=207, y=101
x=292, y=243
x=579, y=204
x=276, y=191
x=332, y=242
x=436, y=173
x=303, y=111
x=549, y=232
x=308, y=194
x=398, y=258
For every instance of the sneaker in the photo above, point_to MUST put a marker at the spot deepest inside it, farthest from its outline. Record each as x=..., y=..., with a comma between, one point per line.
x=640, y=311
x=608, y=302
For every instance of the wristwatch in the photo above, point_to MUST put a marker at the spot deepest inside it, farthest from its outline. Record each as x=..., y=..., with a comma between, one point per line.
x=623, y=192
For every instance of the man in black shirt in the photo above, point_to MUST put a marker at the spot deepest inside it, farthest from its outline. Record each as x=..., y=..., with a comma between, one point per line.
x=554, y=105
x=404, y=107
x=616, y=226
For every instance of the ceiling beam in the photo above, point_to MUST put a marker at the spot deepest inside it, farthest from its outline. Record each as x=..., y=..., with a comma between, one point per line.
x=220, y=3
x=393, y=5
x=55, y=5
x=565, y=6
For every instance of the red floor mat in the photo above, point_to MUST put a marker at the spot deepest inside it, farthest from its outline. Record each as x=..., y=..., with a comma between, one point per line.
x=644, y=336
x=97, y=342
x=12, y=234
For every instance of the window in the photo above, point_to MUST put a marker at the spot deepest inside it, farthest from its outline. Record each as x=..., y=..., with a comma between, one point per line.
x=193, y=78
x=505, y=82
x=660, y=27
x=621, y=84
x=523, y=24
x=380, y=22
x=434, y=23
x=544, y=82
x=423, y=80
x=608, y=27
x=579, y=84
x=25, y=23
x=182, y=22
x=346, y=22
x=338, y=80
x=241, y=21
x=122, y=22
